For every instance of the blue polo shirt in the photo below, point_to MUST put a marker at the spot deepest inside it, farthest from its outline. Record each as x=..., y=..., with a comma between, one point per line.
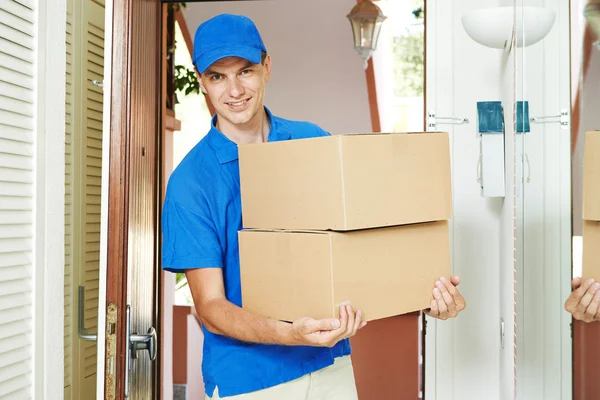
x=202, y=215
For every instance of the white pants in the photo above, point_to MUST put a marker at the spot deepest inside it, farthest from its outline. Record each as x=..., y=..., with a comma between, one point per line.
x=335, y=382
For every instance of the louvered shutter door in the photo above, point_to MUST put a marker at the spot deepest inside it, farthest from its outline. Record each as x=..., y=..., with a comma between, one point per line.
x=94, y=50
x=17, y=104
x=85, y=63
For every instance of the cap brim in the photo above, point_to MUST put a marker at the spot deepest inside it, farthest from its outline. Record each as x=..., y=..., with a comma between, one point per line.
x=251, y=54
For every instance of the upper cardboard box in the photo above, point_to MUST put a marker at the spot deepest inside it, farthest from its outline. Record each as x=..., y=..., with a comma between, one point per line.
x=346, y=182
x=591, y=176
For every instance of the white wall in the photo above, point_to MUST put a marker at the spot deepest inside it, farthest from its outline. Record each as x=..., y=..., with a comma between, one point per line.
x=317, y=74
x=465, y=360
x=577, y=32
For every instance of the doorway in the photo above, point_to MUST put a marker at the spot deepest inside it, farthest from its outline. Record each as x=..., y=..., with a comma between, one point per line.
x=128, y=93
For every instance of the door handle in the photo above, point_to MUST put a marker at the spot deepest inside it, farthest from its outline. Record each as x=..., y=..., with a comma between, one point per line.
x=135, y=343
x=81, y=331
x=562, y=118
x=433, y=120
x=144, y=342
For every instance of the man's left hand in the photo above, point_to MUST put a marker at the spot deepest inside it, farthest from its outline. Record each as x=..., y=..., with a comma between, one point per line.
x=448, y=301
x=584, y=301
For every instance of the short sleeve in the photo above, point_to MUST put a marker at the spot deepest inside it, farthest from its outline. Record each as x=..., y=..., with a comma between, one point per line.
x=190, y=239
x=320, y=131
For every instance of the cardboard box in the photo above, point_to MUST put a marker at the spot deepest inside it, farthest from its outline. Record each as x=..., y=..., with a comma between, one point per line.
x=591, y=250
x=346, y=182
x=385, y=271
x=591, y=176
x=591, y=206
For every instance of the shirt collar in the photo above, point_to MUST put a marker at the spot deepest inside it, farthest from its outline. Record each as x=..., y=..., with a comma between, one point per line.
x=227, y=150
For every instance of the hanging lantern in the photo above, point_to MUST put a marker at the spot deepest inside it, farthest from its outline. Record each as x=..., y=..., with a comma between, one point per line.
x=366, y=19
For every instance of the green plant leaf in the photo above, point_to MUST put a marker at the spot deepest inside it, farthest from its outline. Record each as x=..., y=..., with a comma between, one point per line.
x=186, y=80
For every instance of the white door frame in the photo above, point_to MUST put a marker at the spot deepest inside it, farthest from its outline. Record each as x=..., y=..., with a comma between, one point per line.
x=107, y=88
x=48, y=338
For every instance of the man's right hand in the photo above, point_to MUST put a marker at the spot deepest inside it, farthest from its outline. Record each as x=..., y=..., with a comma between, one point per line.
x=327, y=332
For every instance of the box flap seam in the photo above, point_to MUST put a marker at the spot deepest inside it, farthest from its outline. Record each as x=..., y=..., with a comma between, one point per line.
x=331, y=275
x=343, y=179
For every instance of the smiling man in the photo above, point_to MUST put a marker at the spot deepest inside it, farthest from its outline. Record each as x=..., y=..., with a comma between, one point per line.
x=247, y=356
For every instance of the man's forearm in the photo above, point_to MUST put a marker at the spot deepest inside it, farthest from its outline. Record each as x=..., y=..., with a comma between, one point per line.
x=225, y=318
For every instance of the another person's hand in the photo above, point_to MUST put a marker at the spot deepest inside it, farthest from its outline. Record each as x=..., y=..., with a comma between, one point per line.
x=584, y=301
x=448, y=301
x=327, y=332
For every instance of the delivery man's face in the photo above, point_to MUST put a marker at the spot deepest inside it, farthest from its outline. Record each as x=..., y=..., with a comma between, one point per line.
x=236, y=88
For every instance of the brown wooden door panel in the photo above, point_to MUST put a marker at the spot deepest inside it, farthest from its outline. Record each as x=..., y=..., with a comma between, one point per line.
x=385, y=355
x=586, y=360
x=135, y=122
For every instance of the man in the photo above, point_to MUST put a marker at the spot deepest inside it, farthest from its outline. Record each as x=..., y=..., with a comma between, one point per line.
x=247, y=356
x=584, y=301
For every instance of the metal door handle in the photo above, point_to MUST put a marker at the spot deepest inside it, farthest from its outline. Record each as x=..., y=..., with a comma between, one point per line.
x=83, y=332
x=433, y=120
x=563, y=118
x=528, y=169
x=135, y=343
x=144, y=342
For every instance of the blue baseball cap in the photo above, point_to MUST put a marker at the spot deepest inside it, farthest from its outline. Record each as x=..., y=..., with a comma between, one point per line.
x=227, y=35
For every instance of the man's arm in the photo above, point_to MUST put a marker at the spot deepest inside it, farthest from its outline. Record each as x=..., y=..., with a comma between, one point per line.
x=222, y=317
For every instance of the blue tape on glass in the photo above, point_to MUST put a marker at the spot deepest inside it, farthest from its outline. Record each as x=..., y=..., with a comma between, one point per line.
x=490, y=118
x=522, y=117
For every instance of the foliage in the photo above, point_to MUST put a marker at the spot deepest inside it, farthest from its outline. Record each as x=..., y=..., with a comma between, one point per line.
x=418, y=13
x=419, y=10
x=408, y=51
x=186, y=80
x=180, y=280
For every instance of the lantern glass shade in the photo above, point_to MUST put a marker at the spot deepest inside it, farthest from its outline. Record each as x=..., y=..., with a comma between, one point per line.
x=366, y=33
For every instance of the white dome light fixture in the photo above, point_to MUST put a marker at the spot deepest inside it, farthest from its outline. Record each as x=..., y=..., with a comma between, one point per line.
x=493, y=27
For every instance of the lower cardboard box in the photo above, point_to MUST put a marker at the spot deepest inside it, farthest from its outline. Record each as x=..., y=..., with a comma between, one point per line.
x=384, y=272
x=591, y=250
